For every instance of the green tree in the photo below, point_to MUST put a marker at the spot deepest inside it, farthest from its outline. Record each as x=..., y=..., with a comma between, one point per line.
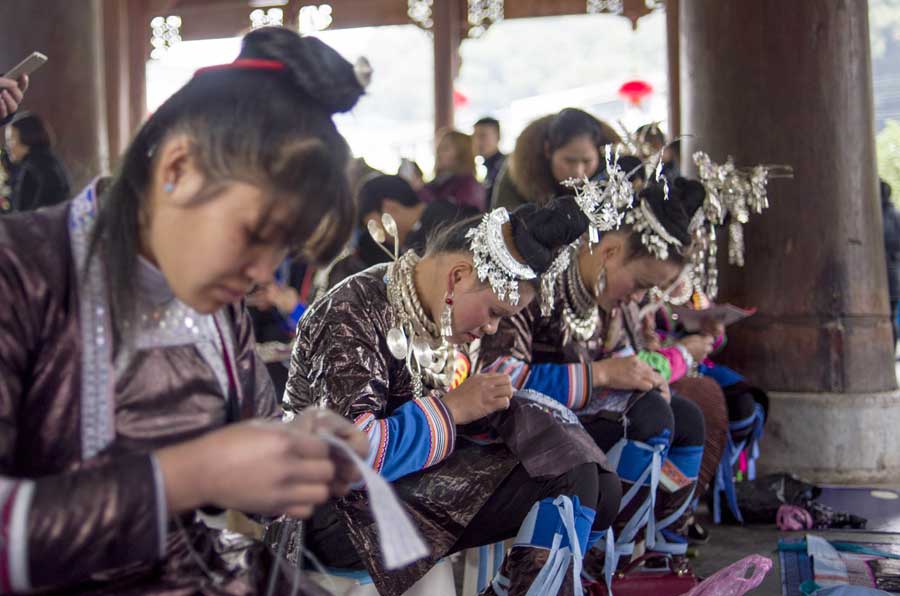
x=888, y=149
x=884, y=23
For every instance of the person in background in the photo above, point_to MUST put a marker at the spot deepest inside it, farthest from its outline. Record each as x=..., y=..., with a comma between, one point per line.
x=549, y=151
x=486, y=137
x=454, y=173
x=11, y=93
x=275, y=309
x=39, y=179
x=416, y=221
x=410, y=171
x=891, y=220
x=651, y=140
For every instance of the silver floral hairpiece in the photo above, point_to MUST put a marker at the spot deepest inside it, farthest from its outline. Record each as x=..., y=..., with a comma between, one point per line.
x=493, y=261
x=549, y=277
x=654, y=235
x=734, y=193
x=604, y=201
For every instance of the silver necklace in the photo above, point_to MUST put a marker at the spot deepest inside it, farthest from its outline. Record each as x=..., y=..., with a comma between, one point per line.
x=415, y=338
x=579, y=312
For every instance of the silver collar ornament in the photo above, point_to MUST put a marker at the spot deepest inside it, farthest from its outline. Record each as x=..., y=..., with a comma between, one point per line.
x=414, y=339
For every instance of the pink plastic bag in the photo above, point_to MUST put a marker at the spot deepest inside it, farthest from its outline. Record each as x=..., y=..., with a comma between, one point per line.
x=733, y=580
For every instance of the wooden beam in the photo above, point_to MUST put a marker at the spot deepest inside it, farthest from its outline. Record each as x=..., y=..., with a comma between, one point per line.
x=520, y=9
x=210, y=19
x=214, y=19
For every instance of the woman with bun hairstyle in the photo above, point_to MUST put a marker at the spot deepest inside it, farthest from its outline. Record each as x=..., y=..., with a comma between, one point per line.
x=550, y=150
x=623, y=402
x=387, y=349
x=130, y=393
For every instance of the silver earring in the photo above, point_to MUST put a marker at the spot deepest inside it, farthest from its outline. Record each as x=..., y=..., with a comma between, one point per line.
x=447, y=316
x=600, y=284
x=168, y=187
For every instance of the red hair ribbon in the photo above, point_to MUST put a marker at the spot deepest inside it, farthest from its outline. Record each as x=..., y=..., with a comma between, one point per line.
x=250, y=63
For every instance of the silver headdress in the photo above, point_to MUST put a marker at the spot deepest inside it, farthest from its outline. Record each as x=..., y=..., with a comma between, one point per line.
x=549, y=278
x=654, y=235
x=733, y=193
x=604, y=201
x=493, y=261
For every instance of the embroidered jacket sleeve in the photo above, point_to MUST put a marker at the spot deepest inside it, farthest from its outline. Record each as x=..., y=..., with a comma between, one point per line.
x=511, y=351
x=341, y=360
x=60, y=527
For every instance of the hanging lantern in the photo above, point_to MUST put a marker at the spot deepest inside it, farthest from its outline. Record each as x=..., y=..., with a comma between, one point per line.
x=634, y=92
x=460, y=100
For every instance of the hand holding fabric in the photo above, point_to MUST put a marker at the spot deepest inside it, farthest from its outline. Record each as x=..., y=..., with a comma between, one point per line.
x=479, y=396
x=626, y=373
x=255, y=467
x=315, y=421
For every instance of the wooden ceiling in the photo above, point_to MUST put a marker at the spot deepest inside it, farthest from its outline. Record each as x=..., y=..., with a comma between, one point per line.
x=207, y=19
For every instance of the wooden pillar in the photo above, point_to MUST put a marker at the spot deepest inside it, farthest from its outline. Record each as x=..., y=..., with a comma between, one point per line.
x=69, y=90
x=447, y=34
x=769, y=81
x=117, y=73
x=138, y=53
x=673, y=51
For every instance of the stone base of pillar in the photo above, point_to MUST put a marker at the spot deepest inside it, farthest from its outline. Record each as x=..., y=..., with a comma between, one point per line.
x=833, y=438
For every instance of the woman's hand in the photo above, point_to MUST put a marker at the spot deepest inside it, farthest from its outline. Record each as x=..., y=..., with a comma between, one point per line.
x=625, y=373
x=11, y=93
x=478, y=396
x=257, y=466
x=320, y=420
x=712, y=327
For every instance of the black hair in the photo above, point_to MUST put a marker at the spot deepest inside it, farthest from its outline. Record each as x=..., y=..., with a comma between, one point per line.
x=269, y=128
x=631, y=165
x=885, y=189
x=572, y=123
x=651, y=134
x=378, y=187
x=538, y=232
x=33, y=132
x=529, y=166
x=673, y=213
x=491, y=122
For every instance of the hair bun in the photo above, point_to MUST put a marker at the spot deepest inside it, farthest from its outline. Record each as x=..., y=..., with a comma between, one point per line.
x=633, y=167
x=313, y=66
x=675, y=213
x=539, y=232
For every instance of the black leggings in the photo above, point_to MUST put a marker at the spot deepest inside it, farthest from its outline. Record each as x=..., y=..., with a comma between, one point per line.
x=499, y=518
x=649, y=417
x=505, y=510
x=741, y=400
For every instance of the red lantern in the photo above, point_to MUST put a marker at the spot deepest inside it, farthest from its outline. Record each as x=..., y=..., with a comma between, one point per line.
x=459, y=99
x=635, y=91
